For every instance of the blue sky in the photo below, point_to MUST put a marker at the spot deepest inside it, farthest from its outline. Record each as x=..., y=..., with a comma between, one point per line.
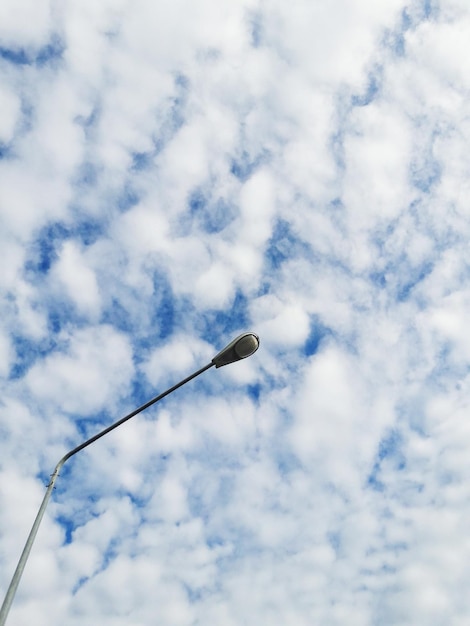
x=171, y=176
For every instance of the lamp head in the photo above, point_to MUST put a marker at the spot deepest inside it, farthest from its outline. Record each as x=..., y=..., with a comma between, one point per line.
x=243, y=346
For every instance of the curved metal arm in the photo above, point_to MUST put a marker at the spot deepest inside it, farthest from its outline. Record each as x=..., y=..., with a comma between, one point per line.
x=32, y=535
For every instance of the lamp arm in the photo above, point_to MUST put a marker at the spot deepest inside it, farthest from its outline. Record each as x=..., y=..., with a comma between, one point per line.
x=32, y=535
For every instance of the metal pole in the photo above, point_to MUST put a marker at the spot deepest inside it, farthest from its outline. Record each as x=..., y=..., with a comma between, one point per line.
x=32, y=535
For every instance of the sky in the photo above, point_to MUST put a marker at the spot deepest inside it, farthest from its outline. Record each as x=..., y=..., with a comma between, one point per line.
x=174, y=174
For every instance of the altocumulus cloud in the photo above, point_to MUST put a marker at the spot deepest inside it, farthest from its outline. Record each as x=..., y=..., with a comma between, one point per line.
x=169, y=177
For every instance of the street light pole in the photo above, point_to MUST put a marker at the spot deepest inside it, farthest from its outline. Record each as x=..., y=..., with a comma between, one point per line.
x=240, y=348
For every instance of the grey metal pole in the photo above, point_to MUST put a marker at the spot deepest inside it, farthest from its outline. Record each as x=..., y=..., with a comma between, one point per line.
x=27, y=548
x=32, y=535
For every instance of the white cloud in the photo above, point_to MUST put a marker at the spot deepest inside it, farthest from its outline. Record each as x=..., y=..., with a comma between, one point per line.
x=333, y=426
x=6, y=355
x=334, y=43
x=10, y=107
x=25, y=23
x=29, y=199
x=373, y=162
x=257, y=202
x=281, y=324
x=214, y=287
x=182, y=354
x=89, y=375
x=78, y=279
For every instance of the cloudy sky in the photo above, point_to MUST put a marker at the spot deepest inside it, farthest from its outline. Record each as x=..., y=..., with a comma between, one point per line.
x=173, y=174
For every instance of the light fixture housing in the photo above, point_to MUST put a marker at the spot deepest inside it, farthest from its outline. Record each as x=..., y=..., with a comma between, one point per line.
x=240, y=348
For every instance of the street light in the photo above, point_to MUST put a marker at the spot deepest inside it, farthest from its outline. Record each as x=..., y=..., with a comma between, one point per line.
x=243, y=346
